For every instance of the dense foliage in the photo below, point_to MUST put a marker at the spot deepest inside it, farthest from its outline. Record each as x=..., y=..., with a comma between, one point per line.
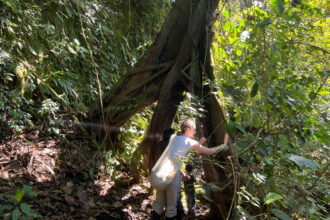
x=270, y=58
x=66, y=54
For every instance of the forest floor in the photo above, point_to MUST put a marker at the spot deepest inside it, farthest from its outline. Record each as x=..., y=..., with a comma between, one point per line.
x=69, y=182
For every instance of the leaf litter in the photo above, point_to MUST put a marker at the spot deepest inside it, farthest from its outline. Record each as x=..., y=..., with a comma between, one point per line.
x=59, y=171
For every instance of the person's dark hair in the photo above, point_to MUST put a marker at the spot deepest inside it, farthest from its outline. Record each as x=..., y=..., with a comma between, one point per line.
x=166, y=138
x=188, y=167
x=168, y=133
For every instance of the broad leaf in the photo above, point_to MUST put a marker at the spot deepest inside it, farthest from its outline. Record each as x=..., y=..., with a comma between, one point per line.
x=240, y=128
x=269, y=107
x=303, y=162
x=225, y=13
x=28, y=190
x=15, y=215
x=19, y=195
x=272, y=197
x=25, y=208
x=281, y=215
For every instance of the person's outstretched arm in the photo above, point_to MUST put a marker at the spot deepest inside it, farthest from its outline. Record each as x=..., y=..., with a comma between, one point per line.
x=209, y=151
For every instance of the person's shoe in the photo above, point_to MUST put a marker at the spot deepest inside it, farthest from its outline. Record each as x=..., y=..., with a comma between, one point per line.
x=154, y=215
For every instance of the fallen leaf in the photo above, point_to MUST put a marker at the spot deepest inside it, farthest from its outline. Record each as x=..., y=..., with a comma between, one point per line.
x=117, y=204
x=69, y=199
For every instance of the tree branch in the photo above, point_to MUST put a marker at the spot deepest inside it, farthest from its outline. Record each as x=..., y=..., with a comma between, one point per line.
x=252, y=144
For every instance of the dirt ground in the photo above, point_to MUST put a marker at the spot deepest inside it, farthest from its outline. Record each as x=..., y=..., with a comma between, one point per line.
x=70, y=181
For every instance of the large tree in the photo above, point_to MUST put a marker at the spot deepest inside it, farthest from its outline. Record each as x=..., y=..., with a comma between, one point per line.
x=178, y=61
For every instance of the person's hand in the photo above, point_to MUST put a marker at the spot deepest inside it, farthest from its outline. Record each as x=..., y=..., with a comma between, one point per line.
x=186, y=177
x=202, y=140
x=222, y=147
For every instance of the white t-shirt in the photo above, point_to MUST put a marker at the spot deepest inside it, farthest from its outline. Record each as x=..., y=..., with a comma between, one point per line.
x=181, y=146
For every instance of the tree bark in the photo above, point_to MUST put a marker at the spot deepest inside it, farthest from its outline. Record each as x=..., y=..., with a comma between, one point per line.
x=178, y=61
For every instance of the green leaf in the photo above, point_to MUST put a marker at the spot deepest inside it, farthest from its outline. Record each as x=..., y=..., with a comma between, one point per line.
x=265, y=22
x=25, y=208
x=241, y=128
x=283, y=140
x=19, y=195
x=216, y=24
x=269, y=107
x=254, y=90
x=225, y=13
x=279, y=5
x=272, y=197
x=228, y=67
x=231, y=127
x=16, y=213
x=303, y=162
x=281, y=215
x=239, y=52
x=323, y=137
x=28, y=190
x=227, y=25
x=5, y=207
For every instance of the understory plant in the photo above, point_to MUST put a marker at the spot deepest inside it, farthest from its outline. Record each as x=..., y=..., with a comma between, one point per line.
x=15, y=208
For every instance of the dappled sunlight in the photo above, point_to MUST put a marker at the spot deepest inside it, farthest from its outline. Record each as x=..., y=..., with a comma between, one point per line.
x=104, y=186
x=21, y=157
x=134, y=191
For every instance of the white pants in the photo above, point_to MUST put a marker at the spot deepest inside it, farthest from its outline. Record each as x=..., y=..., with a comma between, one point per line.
x=168, y=197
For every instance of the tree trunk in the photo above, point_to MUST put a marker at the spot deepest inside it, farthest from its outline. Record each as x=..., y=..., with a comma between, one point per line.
x=177, y=62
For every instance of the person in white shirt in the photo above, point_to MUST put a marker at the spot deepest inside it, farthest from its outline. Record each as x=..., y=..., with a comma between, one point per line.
x=181, y=146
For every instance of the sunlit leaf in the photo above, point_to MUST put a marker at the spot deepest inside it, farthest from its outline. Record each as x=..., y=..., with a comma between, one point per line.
x=227, y=25
x=228, y=67
x=216, y=24
x=239, y=52
x=225, y=13
x=19, y=195
x=272, y=197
